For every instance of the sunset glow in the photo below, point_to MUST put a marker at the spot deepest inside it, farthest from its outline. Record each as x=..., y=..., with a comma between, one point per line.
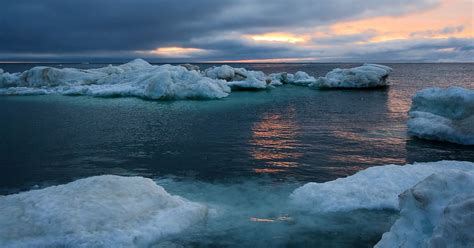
x=177, y=52
x=276, y=37
x=252, y=32
x=451, y=19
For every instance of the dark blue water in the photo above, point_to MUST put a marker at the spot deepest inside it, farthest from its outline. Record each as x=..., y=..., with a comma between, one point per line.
x=286, y=134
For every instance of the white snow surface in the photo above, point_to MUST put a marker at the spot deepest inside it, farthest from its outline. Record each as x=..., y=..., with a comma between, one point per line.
x=137, y=78
x=443, y=114
x=365, y=76
x=299, y=78
x=437, y=212
x=239, y=78
x=100, y=211
x=373, y=188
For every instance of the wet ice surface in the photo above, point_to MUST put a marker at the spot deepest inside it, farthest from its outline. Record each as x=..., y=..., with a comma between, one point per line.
x=247, y=152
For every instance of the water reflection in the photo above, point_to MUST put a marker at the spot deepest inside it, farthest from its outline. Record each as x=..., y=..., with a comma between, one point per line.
x=274, y=142
x=367, y=132
x=398, y=102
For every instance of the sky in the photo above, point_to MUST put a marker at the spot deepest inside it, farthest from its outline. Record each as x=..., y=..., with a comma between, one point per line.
x=238, y=30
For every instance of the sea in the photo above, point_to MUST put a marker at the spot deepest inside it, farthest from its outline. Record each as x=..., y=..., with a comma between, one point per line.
x=245, y=153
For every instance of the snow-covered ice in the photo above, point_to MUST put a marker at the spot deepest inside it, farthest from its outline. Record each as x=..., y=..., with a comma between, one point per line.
x=101, y=211
x=437, y=212
x=239, y=78
x=365, y=76
x=299, y=78
x=137, y=78
x=443, y=114
x=140, y=79
x=373, y=188
x=191, y=67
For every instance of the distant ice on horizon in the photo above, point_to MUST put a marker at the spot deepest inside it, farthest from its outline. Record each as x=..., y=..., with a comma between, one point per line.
x=140, y=79
x=365, y=76
x=137, y=78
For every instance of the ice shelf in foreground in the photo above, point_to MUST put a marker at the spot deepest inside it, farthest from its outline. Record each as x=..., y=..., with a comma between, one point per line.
x=365, y=76
x=101, y=211
x=437, y=212
x=137, y=78
x=373, y=188
x=443, y=114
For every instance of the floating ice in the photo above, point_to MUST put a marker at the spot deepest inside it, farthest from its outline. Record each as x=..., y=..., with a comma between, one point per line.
x=299, y=78
x=437, y=212
x=191, y=67
x=239, y=78
x=101, y=211
x=443, y=114
x=365, y=76
x=135, y=79
x=248, y=84
x=373, y=188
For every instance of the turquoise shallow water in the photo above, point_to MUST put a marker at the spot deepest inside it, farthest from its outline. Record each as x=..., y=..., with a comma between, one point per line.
x=251, y=148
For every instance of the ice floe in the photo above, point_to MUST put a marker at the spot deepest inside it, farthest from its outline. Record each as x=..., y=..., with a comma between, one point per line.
x=299, y=78
x=373, y=188
x=443, y=114
x=365, y=76
x=137, y=78
x=140, y=79
x=437, y=212
x=239, y=78
x=191, y=67
x=101, y=211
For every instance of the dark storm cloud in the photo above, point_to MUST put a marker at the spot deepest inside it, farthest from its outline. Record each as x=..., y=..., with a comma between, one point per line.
x=122, y=26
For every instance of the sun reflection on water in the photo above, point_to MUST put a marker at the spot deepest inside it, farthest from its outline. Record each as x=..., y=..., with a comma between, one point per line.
x=274, y=142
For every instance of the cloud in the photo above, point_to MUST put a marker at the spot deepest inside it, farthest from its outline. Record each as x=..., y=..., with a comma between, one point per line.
x=113, y=25
x=169, y=30
x=443, y=31
x=421, y=50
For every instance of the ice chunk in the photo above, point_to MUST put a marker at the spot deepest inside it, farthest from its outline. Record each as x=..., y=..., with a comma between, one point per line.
x=437, y=212
x=191, y=67
x=224, y=72
x=443, y=114
x=134, y=79
x=102, y=211
x=250, y=83
x=302, y=78
x=373, y=188
x=239, y=78
x=365, y=76
x=47, y=76
x=299, y=78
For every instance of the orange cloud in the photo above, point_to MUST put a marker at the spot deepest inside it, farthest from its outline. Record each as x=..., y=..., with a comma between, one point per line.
x=276, y=37
x=177, y=52
x=279, y=60
x=450, y=13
